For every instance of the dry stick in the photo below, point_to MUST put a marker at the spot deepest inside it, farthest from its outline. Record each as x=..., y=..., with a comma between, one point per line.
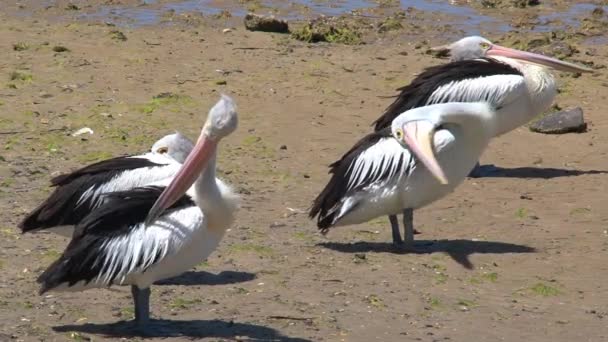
x=253, y=48
x=292, y=318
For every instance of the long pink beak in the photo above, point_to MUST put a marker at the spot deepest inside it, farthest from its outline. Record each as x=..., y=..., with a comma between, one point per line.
x=497, y=50
x=185, y=177
x=418, y=135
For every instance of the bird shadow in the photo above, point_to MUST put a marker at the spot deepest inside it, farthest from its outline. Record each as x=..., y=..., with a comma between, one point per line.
x=165, y=328
x=207, y=278
x=493, y=171
x=458, y=250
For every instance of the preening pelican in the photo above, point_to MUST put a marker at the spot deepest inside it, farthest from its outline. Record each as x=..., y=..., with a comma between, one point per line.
x=422, y=157
x=78, y=193
x=113, y=245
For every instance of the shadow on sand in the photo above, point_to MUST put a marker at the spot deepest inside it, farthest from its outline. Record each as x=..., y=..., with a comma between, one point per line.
x=459, y=250
x=206, y=278
x=492, y=171
x=189, y=329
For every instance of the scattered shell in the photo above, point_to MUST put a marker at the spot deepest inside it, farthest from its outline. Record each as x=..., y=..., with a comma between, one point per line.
x=81, y=131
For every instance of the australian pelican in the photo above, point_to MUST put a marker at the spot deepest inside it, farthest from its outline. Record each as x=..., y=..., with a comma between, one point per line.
x=516, y=83
x=80, y=192
x=115, y=245
x=422, y=157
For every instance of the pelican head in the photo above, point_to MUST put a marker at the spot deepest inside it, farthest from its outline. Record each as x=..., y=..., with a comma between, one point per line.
x=477, y=47
x=415, y=130
x=176, y=146
x=221, y=121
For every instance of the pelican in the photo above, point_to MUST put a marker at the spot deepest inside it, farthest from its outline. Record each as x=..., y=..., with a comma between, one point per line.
x=114, y=245
x=425, y=154
x=518, y=84
x=80, y=192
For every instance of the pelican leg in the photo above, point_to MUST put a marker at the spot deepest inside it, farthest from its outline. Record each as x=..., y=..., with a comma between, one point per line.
x=408, y=227
x=141, y=301
x=395, y=227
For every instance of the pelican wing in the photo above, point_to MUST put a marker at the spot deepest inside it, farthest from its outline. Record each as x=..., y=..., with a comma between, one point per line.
x=376, y=160
x=112, y=242
x=78, y=193
x=463, y=81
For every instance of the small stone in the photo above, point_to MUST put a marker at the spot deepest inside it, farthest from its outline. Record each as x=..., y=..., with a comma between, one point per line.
x=254, y=22
x=283, y=147
x=360, y=256
x=566, y=121
x=60, y=48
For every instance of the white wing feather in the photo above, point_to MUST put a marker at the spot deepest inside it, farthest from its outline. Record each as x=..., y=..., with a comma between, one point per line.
x=498, y=90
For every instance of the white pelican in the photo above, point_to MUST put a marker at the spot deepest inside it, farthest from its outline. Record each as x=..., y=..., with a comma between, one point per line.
x=422, y=157
x=113, y=244
x=79, y=192
x=516, y=83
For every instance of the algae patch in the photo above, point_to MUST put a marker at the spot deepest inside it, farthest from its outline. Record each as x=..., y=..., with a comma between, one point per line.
x=331, y=30
x=165, y=100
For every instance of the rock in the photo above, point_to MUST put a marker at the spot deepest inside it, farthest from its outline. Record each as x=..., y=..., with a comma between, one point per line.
x=566, y=121
x=507, y=3
x=254, y=22
x=60, y=48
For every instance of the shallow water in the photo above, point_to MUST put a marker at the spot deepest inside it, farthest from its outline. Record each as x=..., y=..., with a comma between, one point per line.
x=462, y=17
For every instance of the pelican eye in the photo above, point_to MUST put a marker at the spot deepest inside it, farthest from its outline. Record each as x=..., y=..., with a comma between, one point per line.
x=163, y=150
x=399, y=133
x=484, y=45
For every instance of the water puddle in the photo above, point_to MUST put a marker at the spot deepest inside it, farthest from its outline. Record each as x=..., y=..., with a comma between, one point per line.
x=460, y=17
x=570, y=17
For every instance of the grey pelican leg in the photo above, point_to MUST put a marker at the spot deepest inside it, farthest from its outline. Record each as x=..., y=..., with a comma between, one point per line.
x=141, y=300
x=408, y=227
x=395, y=227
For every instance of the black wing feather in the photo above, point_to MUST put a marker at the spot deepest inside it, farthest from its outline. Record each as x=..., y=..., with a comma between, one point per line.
x=60, y=207
x=121, y=211
x=417, y=93
x=337, y=187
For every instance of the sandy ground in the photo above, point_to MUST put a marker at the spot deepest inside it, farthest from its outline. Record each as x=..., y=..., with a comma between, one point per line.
x=518, y=256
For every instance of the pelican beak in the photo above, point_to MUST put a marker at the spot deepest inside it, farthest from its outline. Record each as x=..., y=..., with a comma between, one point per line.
x=529, y=57
x=418, y=136
x=186, y=176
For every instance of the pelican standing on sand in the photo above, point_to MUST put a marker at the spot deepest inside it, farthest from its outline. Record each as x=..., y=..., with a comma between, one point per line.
x=80, y=192
x=116, y=244
x=517, y=84
x=425, y=154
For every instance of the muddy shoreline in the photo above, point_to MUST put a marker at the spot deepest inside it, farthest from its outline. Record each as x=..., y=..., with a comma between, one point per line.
x=517, y=256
